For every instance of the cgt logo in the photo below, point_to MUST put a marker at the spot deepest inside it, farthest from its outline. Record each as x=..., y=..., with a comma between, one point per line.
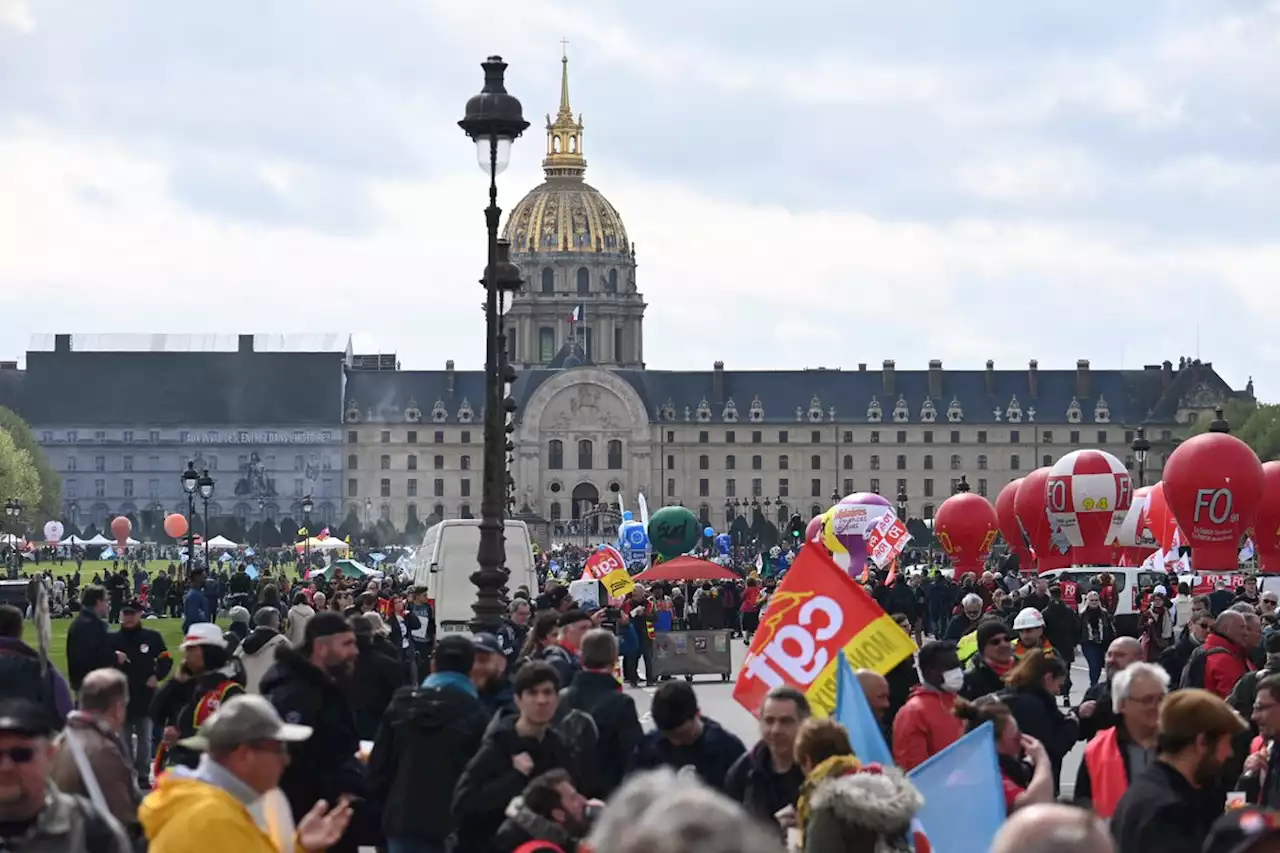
x=795, y=653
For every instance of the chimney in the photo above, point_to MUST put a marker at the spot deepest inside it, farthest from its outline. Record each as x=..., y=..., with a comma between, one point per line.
x=717, y=383
x=991, y=378
x=935, y=377
x=1082, y=379
x=862, y=367
x=888, y=377
x=1033, y=378
x=8, y=365
x=62, y=343
x=448, y=378
x=1166, y=375
x=246, y=343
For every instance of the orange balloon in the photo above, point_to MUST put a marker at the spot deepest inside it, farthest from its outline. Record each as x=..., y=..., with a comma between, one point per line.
x=121, y=527
x=175, y=525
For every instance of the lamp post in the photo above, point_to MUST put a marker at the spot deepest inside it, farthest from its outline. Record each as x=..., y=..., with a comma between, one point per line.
x=206, y=491
x=190, y=480
x=902, y=505
x=368, y=509
x=1141, y=447
x=13, y=509
x=963, y=486
x=307, y=506
x=493, y=120
x=1219, y=423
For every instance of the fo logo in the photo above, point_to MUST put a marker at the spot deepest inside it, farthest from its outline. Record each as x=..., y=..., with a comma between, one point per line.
x=1217, y=504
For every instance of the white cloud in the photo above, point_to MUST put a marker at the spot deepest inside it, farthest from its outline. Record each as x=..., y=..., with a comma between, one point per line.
x=1033, y=177
x=16, y=15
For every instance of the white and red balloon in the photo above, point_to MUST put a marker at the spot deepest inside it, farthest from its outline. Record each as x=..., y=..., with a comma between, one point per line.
x=1088, y=494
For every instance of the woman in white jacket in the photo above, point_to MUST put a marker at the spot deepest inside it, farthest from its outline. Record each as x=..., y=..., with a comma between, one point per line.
x=296, y=621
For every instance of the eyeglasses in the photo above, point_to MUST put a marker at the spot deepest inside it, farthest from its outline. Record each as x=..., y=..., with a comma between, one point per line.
x=999, y=641
x=1147, y=701
x=1270, y=602
x=19, y=754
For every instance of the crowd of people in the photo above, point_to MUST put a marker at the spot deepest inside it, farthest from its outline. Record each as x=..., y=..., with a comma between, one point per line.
x=328, y=715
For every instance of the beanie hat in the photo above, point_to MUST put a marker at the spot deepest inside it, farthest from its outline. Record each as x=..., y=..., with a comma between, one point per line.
x=988, y=629
x=324, y=624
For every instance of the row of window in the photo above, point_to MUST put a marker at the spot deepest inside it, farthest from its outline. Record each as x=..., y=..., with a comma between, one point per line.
x=816, y=488
x=128, y=488
x=816, y=464
x=155, y=436
x=410, y=488
x=586, y=455
x=410, y=437
x=128, y=462
x=1074, y=436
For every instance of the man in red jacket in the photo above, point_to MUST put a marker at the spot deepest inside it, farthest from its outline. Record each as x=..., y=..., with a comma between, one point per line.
x=1226, y=650
x=926, y=725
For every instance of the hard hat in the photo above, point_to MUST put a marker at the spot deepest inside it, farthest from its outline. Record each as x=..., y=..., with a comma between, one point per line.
x=1028, y=617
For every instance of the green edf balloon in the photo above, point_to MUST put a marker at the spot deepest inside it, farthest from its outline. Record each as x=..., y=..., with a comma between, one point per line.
x=673, y=530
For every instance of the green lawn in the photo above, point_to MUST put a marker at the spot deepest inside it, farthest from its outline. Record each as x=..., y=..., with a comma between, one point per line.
x=92, y=567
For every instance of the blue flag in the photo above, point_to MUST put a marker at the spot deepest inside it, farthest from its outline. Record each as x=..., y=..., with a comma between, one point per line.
x=963, y=793
x=853, y=711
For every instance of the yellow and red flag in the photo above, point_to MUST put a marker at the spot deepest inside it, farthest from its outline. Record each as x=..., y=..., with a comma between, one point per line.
x=817, y=613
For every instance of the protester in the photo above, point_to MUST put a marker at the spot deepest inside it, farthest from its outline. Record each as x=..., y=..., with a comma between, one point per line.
x=1034, y=685
x=1097, y=630
x=147, y=662
x=257, y=652
x=1053, y=828
x=378, y=675
x=926, y=724
x=203, y=681
x=1260, y=780
x=195, y=607
x=994, y=661
x=207, y=809
x=876, y=688
x=1025, y=769
x=489, y=675
x=1122, y=652
x=685, y=738
x=515, y=628
x=1175, y=658
x=429, y=735
x=598, y=693
x=767, y=779
x=966, y=621
x=549, y=815
x=89, y=645
x=1225, y=655
x=20, y=670
x=564, y=655
x=1172, y=804
x=1115, y=755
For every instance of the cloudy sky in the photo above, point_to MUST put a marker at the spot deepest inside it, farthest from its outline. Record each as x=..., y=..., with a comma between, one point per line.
x=819, y=182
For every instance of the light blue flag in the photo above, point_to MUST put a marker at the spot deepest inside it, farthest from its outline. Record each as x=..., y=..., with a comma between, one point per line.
x=853, y=711
x=251, y=571
x=963, y=793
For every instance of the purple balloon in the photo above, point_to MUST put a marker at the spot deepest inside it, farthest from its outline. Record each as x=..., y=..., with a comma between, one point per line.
x=856, y=543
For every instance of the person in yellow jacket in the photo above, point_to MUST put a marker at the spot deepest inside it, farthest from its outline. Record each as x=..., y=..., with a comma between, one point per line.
x=219, y=805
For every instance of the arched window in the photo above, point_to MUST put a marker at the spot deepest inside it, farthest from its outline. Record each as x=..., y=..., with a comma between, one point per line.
x=783, y=462
x=384, y=463
x=848, y=462
x=982, y=461
x=465, y=511
x=466, y=463
x=546, y=344
x=615, y=454
x=928, y=462
x=704, y=462
x=555, y=510
x=815, y=510
x=955, y=462
x=555, y=454
x=438, y=463
x=584, y=280
x=815, y=463
x=412, y=462
x=611, y=285
x=548, y=280
x=928, y=511
x=584, y=455
x=438, y=510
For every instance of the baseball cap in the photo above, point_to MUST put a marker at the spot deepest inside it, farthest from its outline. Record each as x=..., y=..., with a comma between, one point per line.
x=133, y=605
x=204, y=634
x=24, y=717
x=244, y=719
x=486, y=642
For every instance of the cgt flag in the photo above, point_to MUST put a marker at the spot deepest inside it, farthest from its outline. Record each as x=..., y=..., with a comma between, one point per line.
x=816, y=613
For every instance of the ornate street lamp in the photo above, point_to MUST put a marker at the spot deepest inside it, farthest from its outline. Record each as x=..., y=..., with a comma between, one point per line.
x=190, y=481
x=13, y=508
x=493, y=120
x=902, y=505
x=205, y=484
x=1141, y=447
x=307, y=506
x=1219, y=423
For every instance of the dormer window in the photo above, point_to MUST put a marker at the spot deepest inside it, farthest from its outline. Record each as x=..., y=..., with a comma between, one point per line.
x=874, y=413
x=412, y=414
x=465, y=414
x=668, y=411
x=1014, y=412
x=1074, y=414
x=730, y=413
x=928, y=414
x=353, y=413
x=438, y=413
x=815, y=410
x=900, y=413
x=955, y=414
x=704, y=411
x=756, y=413
x=1102, y=412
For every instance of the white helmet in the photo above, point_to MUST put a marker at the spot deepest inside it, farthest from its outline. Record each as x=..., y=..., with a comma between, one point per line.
x=1028, y=617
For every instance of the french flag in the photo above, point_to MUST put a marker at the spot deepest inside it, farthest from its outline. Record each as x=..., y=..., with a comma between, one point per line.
x=575, y=316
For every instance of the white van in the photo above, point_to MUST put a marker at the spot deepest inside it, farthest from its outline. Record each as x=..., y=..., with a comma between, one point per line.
x=447, y=559
x=1129, y=581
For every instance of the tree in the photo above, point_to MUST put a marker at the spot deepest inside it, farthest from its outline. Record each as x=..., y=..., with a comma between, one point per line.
x=288, y=531
x=272, y=536
x=1256, y=424
x=350, y=525
x=49, y=503
x=19, y=478
x=413, y=528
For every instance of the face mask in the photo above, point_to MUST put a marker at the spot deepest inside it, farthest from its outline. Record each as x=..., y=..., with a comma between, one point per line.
x=953, y=680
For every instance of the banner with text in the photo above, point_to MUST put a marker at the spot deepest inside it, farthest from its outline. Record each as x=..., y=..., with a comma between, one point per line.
x=816, y=613
x=607, y=566
x=887, y=539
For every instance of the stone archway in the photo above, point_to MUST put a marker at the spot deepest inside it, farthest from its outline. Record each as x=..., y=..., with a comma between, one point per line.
x=583, y=500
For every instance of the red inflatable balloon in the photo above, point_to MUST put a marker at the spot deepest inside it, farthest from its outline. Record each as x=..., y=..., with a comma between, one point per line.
x=1136, y=541
x=175, y=525
x=1266, y=527
x=966, y=528
x=1213, y=484
x=813, y=530
x=1029, y=506
x=121, y=527
x=1158, y=522
x=1007, y=518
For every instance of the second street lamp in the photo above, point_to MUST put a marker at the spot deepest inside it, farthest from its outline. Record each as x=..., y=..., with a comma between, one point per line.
x=190, y=481
x=307, y=506
x=205, y=484
x=1141, y=447
x=493, y=120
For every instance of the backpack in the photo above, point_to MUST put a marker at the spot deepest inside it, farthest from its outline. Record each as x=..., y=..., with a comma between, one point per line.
x=581, y=736
x=1193, y=673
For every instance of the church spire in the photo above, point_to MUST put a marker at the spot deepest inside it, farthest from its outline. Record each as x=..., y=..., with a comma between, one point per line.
x=564, y=135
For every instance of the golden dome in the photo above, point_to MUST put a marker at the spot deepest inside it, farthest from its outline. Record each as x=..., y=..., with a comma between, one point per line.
x=564, y=213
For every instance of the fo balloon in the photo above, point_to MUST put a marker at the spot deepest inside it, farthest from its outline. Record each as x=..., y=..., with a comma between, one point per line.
x=1029, y=507
x=966, y=528
x=1214, y=485
x=1007, y=518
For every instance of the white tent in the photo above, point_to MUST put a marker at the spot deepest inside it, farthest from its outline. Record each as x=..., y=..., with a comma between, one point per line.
x=130, y=541
x=72, y=540
x=332, y=543
x=222, y=543
x=10, y=539
x=99, y=539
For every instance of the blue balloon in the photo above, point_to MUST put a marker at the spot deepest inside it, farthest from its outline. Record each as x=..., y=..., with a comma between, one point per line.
x=709, y=531
x=723, y=541
x=632, y=536
x=626, y=515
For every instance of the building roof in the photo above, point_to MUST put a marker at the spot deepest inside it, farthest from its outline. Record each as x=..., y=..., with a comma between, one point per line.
x=1151, y=394
x=334, y=342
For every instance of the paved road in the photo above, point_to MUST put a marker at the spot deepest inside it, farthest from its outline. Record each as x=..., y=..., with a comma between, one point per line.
x=716, y=700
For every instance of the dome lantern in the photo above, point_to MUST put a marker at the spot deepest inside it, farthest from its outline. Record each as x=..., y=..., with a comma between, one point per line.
x=564, y=135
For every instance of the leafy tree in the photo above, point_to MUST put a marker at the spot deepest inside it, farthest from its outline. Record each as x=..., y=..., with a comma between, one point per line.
x=255, y=533
x=271, y=535
x=350, y=525
x=1256, y=424
x=49, y=502
x=90, y=531
x=19, y=478
x=232, y=529
x=288, y=530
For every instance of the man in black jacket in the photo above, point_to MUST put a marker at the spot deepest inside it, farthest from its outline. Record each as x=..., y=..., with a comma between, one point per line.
x=428, y=735
x=515, y=749
x=307, y=687
x=598, y=693
x=1062, y=630
x=146, y=664
x=767, y=779
x=987, y=669
x=685, y=737
x=89, y=645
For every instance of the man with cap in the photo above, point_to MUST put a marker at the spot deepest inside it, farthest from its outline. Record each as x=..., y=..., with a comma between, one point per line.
x=489, y=675
x=34, y=815
x=206, y=678
x=219, y=804
x=428, y=735
x=563, y=657
x=308, y=686
x=146, y=663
